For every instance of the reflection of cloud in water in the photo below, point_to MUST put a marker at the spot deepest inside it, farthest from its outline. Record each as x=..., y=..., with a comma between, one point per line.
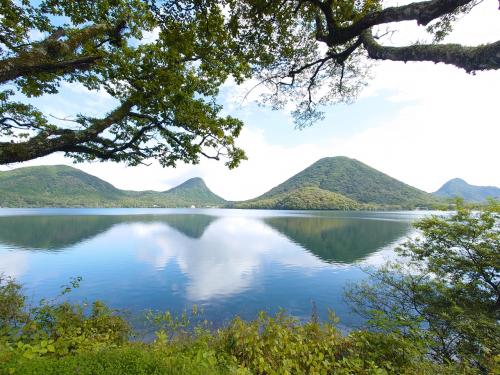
x=227, y=259
x=13, y=264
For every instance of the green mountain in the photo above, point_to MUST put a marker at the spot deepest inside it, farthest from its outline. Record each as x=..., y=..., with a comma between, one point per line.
x=470, y=193
x=304, y=198
x=196, y=191
x=336, y=183
x=340, y=183
x=54, y=186
x=64, y=186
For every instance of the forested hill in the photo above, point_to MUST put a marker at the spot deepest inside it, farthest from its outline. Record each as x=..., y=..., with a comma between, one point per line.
x=343, y=183
x=458, y=188
x=195, y=190
x=64, y=186
x=336, y=183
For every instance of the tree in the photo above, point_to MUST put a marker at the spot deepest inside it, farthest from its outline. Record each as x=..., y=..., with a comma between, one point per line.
x=307, y=52
x=165, y=89
x=320, y=51
x=447, y=292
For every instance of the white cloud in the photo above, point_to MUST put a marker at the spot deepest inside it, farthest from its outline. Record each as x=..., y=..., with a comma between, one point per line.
x=150, y=36
x=446, y=128
x=448, y=122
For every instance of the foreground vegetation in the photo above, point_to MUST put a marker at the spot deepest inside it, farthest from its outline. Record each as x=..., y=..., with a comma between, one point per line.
x=437, y=313
x=447, y=291
x=60, y=338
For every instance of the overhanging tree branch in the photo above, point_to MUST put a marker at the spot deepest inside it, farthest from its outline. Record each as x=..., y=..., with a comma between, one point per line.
x=47, y=142
x=56, y=55
x=484, y=57
x=158, y=78
x=13, y=69
x=423, y=12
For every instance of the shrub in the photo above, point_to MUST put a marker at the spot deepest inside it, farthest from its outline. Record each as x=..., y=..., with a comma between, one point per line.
x=445, y=294
x=55, y=328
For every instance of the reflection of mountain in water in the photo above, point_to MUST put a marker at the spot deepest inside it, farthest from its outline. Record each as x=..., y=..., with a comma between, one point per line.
x=192, y=225
x=57, y=232
x=339, y=240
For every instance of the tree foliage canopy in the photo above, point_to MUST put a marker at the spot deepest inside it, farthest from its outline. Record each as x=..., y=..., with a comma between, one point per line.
x=165, y=88
x=447, y=293
x=308, y=52
x=319, y=52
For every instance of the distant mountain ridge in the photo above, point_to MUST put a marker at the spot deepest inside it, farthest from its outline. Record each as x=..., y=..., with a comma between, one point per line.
x=335, y=183
x=64, y=186
x=341, y=183
x=458, y=188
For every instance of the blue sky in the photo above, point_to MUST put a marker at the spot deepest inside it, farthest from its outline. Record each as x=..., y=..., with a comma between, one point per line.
x=421, y=123
x=340, y=120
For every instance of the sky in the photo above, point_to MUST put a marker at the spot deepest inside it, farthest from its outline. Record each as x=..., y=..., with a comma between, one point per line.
x=421, y=123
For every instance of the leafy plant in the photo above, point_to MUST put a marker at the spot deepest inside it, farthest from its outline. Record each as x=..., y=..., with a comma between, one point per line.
x=446, y=291
x=57, y=328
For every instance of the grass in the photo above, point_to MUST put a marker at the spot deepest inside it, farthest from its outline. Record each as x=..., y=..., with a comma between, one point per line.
x=131, y=359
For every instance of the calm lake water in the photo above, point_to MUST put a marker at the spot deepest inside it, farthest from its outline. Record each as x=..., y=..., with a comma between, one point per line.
x=230, y=262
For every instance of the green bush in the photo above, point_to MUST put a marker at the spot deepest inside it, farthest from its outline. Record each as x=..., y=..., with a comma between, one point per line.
x=12, y=303
x=446, y=294
x=55, y=328
x=63, y=338
x=281, y=345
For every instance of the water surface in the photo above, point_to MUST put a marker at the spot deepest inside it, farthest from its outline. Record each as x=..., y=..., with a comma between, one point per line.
x=230, y=262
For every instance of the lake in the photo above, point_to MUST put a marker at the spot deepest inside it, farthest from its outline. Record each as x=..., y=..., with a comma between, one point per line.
x=228, y=262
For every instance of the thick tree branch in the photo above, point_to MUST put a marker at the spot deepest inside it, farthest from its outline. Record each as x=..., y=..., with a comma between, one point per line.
x=13, y=68
x=45, y=143
x=482, y=57
x=113, y=117
x=53, y=55
x=423, y=12
x=11, y=123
